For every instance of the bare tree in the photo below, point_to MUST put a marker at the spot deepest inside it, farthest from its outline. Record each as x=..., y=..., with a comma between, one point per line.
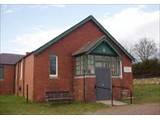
x=145, y=49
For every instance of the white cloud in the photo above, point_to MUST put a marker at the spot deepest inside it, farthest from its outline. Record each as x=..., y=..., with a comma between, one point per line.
x=6, y=10
x=47, y=6
x=131, y=24
x=127, y=26
x=30, y=41
x=58, y=5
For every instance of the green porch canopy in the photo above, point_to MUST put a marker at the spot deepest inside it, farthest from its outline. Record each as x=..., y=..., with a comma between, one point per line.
x=98, y=47
x=98, y=53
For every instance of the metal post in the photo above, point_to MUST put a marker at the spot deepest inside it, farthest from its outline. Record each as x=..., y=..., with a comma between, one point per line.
x=85, y=64
x=84, y=80
x=27, y=92
x=131, y=97
x=84, y=88
x=112, y=97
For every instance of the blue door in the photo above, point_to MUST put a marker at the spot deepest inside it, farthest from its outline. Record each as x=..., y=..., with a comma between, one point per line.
x=103, y=83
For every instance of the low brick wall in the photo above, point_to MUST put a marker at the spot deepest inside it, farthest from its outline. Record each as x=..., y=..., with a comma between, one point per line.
x=147, y=81
x=90, y=91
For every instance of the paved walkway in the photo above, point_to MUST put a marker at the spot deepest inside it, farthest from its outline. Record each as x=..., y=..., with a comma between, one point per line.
x=138, y=109
x=108, y=102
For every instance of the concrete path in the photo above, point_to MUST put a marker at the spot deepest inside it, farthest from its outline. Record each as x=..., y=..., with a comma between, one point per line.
x=138, y=109
x=108, y=102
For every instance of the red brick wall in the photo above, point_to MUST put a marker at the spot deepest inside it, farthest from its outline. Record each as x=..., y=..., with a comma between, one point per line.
x=19, y=82
x=128, y=77
x=125, y=81
x=89, y=89
x=17, y=79
x=37, y=68
x=63, y=49
x=27, y=77
x=7, y=84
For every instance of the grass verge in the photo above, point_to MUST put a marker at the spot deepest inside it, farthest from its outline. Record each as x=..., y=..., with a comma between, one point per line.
x=146, y=93
x=18, y=105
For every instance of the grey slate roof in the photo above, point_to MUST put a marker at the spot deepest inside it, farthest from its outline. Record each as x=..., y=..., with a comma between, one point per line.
x=7, y=58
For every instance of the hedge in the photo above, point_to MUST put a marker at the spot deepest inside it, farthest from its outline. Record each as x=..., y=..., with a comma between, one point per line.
x=146, y=69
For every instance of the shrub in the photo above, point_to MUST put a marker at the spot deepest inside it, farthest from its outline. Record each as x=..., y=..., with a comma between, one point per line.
x=146, y=69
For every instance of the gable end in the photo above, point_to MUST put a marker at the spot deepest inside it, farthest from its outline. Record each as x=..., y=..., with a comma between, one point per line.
x=51, y=42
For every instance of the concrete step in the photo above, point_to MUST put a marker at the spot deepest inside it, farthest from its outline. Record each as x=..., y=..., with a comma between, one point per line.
x=108, y=102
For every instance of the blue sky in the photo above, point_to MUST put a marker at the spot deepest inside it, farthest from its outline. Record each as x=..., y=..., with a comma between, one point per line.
x=27, y=27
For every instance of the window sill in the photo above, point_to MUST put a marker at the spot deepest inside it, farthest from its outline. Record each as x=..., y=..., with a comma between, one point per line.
x=94, y=76
x=53, y=76
x=86, y=76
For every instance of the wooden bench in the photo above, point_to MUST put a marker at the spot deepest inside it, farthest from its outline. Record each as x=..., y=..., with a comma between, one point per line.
x=58, y=96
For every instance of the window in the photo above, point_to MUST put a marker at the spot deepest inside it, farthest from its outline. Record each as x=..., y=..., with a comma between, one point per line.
x=21, y=70
x=1, y=72
x=110, y=62
x=78, y=72
x=16, y=73
x=53, y=66
x=90, y=68
x=114, y=64
x=80, y=65
x=94, y=61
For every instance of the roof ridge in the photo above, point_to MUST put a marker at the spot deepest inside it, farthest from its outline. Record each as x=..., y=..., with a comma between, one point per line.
x=62, y=35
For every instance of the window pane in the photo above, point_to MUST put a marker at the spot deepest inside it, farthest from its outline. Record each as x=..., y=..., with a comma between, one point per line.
x=53, y=65
x=90, y=59
x=1, y=72
x=90, y=69
x=110, y=62
x=114, y=66
x=78, y=65
x=81, y=69
x=77, y=62
x=81, y=65
x=90, y=66
x=97, y=61
x=77, y=72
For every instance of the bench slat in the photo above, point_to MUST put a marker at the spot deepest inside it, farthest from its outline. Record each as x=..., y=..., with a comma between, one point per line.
x=58, y=95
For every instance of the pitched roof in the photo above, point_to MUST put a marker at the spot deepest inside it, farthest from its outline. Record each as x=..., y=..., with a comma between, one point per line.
x=6, y=58
x=87, y=48
x=39, y=50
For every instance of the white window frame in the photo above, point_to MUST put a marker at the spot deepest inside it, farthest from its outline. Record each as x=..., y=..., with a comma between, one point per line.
x=1, y=79
x=120, y=75
x=21, y=70
x=16, y=73
x=54, y=75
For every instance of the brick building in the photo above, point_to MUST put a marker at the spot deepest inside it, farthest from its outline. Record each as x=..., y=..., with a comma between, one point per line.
x=74, y=61
x=7, y=72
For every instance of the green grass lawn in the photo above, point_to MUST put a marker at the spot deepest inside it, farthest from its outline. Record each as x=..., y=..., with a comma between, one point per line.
x=146, y=93
x=18, y=105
